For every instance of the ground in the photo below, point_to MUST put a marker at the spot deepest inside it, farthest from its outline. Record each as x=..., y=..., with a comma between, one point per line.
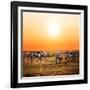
x=48, y=67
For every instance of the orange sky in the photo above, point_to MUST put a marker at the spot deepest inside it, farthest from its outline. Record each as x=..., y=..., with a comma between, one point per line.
x=50, y=32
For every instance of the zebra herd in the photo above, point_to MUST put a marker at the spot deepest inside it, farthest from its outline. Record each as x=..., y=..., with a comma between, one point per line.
x=73, y=55
x=59, y=56
x=35, y=54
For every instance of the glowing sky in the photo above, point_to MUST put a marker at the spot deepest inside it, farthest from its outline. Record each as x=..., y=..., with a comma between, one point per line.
x=49, y=31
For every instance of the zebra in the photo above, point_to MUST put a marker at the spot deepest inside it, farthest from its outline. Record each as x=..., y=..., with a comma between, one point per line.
x=71, y=55
x=59, y=57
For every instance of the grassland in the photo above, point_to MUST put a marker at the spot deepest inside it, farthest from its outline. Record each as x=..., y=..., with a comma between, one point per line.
x=48, y=67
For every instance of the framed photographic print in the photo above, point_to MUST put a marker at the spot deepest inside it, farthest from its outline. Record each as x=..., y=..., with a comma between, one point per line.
x=48, y=44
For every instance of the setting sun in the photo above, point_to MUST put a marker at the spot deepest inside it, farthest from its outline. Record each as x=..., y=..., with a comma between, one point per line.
x=53, y=30
x=50, y=32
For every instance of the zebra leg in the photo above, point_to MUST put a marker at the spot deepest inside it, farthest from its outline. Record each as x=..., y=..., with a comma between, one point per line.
x=56, y=60
x=40, y=58
x=31, y=59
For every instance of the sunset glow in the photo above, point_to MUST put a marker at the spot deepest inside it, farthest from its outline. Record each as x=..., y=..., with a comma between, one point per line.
x=50, y=32
x=53, y=30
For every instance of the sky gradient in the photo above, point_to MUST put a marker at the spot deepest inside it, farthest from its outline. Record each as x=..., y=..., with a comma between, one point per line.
x=50, y=32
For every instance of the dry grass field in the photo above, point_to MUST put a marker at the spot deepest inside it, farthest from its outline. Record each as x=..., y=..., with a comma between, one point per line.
x=48, y=67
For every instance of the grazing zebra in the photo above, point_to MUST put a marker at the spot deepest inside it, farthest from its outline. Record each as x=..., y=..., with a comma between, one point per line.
x=71, y=55
x=44, y=54
x=34, y=54
x=37, y=54
x=25, y=54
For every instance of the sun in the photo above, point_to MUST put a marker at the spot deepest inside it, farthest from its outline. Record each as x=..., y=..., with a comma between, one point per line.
x=53, y=30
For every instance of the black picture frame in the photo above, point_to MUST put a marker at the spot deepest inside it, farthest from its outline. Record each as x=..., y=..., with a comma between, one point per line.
x=14, y=43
